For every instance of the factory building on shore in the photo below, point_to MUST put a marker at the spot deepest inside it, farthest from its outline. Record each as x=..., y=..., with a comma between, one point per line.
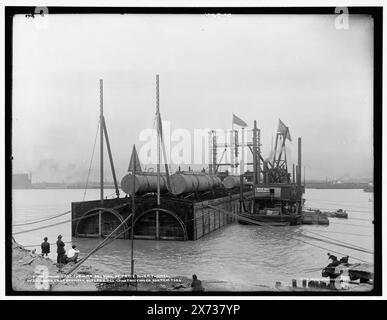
x=21, y=181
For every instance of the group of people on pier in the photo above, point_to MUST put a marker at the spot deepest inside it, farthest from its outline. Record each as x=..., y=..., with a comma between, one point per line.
x=62, y=257
x=73, y=253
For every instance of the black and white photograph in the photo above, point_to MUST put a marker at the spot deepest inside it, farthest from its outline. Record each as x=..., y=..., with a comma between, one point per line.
x=193, y=151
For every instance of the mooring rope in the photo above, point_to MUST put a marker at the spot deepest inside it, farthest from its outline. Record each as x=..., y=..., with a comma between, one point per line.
x=360, y=219
x=43, y=227
x=38, y=245
x=42, y=220
x=350, y=224
x=66, y=221
x=115, y=237
x=349, y=233
x=98, y=246
x=289, y=237
x=338, y=240
x=339, y=244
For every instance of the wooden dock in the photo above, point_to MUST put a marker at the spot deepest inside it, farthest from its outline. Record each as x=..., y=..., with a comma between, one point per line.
x=314, y=217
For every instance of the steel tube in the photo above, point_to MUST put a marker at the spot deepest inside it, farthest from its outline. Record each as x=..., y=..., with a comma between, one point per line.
x=144, y=183
x=193, y=182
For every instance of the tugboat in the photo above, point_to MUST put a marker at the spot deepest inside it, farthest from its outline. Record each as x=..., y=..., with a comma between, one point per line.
x=277, y=197
x=341, y=214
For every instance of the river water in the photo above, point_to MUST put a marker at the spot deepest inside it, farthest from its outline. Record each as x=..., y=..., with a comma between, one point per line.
x=242, y=257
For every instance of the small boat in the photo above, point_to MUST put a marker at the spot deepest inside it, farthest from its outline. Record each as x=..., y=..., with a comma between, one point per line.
x=341, y=214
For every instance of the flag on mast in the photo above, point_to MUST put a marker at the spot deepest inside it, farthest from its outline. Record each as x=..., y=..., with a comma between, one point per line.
x=283, y=130
x=238, y=121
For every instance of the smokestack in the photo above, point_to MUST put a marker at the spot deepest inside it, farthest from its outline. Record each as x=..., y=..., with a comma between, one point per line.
x=266, y=172
x=294, y=174
x=255, y=155
x=299, y=163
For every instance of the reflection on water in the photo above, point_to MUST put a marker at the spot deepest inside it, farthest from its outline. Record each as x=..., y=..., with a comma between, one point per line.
x=244, y=256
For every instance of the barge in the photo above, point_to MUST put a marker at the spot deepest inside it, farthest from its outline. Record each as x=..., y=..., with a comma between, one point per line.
x=189, y=205
x=177, y=218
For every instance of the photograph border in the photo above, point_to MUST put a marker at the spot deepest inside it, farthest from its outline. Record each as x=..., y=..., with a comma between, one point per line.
x=377, y=15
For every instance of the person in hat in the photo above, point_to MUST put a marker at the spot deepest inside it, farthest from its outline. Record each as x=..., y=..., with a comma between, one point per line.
x=45, y=247
x=344, y=259
x=60, y=250
x=331, y=257
x=196, y=284
x=335, y=262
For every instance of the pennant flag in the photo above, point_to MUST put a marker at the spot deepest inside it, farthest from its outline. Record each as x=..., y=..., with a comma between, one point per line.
x=134, y=158
x=238, y=121
x=283, y=130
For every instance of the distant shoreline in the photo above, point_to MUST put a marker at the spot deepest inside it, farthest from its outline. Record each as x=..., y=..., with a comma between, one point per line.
x=335, y=187
x=308, y=186
x=61, y=187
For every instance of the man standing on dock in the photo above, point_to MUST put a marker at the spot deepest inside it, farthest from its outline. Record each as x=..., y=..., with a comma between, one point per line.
x=45, y=247
x=60, y=250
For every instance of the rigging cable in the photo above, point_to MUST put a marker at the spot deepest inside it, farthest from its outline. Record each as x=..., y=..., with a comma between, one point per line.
x=41, y=220
x=337, y=232
x=38, y=245
x=338, y=240
x=266, y=224
x=350, y=224
x=66, y=221
x=84, y=195
x=340, y=245
x=91, y=161
x=38, y=228
x=99, y=245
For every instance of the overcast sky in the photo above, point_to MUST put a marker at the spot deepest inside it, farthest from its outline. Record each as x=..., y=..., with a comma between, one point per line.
x=317, y=79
